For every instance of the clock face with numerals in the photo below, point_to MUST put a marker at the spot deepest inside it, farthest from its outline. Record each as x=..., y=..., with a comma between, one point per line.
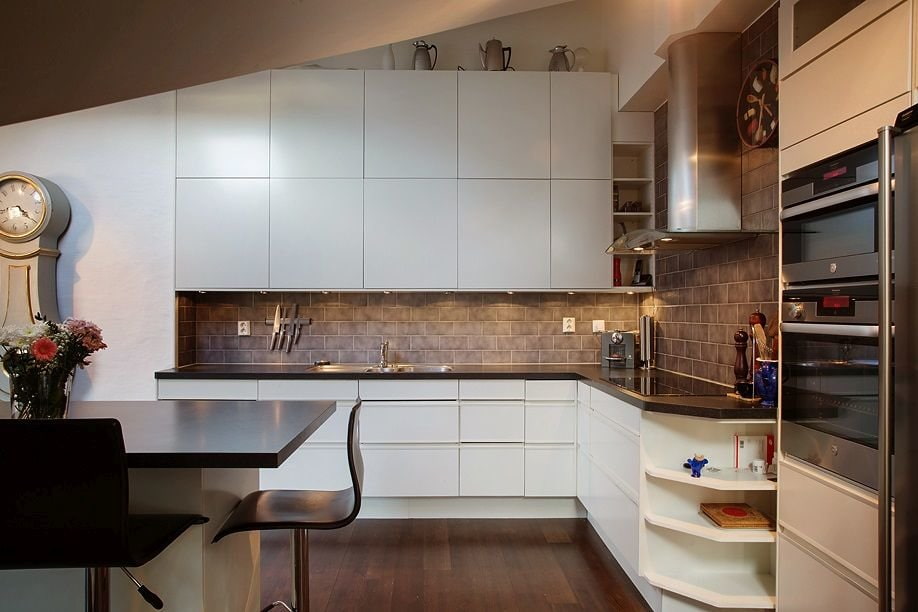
x=23, y=207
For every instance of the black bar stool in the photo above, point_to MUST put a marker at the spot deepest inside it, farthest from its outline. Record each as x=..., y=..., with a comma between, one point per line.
x=301, y=511
x=65, y=504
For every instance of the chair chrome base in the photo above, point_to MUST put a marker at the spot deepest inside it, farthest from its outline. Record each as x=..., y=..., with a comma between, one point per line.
x=98, y=597
x=299, y=546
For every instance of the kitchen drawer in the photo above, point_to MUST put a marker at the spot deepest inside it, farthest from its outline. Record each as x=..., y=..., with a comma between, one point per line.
x=808, y=584
x=307, y=389
x=491, y=421
x=315, y=467
x=835, y=517
x=583, y=393
x=411, y=471
x=551, y=471
x=583, y=481
x=616, y=515
x=618, y=452
x=492, y=389
x=491, y=470
x=617, y=411
x=409, y=389
x=551, y=390
x=399, y=422
x=548, y=422
x=583, y=426
x=194, y=389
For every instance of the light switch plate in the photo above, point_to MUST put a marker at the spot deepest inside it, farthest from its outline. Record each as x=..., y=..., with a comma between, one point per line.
x=599, y=326
x=568, y=325
x=243, y=328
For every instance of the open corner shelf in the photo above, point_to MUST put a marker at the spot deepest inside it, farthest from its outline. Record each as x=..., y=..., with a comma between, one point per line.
x=725, y=480
x=719, y=589
x=694, y=523
x=633, y=180
x=633, y=214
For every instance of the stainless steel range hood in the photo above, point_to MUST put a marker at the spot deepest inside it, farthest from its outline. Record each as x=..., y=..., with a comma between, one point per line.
x=704, y=155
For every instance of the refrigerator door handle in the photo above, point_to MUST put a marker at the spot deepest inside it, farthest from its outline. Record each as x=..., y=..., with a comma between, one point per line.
x=884, y=244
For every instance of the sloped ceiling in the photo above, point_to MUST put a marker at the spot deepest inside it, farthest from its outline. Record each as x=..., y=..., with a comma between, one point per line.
x=63, y=56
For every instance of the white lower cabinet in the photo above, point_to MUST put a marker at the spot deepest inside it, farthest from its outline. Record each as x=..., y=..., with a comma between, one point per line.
x=411, y=471
x=322, y=467
x=616, y=515
x=617, y=451
x=583, y=480
x=551, y=471
x=206, y=389
x=409, y=422
x=808, y=584
x=491, y=421
x=491, y=470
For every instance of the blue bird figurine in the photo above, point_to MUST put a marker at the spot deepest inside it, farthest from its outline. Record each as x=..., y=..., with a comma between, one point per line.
x=697, y=463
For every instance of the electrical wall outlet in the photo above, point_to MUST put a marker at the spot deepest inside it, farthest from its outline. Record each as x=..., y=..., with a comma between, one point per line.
x=243, y=328
x=568, y=325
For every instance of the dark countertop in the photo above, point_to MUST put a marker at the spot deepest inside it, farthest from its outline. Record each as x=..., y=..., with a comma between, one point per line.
x=210, y=434
x=708, y=406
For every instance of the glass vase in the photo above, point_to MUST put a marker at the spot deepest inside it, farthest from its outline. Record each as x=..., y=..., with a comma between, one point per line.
x=41, y=395
x=766, y=381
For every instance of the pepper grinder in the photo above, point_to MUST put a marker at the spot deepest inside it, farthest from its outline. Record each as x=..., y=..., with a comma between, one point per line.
x=741, y=365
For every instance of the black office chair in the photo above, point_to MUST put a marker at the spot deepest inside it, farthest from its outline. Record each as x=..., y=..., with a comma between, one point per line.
x=65, y=504
x=301, y=511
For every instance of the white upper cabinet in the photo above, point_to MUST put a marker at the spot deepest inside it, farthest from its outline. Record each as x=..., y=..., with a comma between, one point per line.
x=504, y=125
x=581, y=230
x=410, y=234
x=581, y=125
x=504, y=234
x=316, y=237
x=317, y=123
x=411, y=124
x=221, y=233
x=222, y=128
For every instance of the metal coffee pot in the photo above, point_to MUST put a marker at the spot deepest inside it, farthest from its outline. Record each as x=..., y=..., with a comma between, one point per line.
x=558, y=62
x=422, y=59
x=494, y=56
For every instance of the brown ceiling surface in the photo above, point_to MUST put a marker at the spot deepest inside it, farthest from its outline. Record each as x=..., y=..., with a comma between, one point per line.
x=60, y=56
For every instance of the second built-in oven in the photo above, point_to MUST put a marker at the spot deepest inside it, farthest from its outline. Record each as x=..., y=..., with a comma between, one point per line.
x=829, y=219
x=830, y=378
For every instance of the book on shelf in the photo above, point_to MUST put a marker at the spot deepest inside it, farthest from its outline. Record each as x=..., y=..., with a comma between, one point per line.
x=737, y=516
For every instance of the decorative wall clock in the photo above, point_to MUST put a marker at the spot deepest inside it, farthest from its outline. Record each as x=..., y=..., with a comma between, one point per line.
x=34, y=212
x=757, y=107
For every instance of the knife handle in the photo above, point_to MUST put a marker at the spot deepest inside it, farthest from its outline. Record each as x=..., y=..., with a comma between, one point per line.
x=273, y=340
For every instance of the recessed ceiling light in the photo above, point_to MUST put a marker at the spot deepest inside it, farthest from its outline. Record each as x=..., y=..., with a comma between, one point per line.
x=509, y=293
x=638, y=249
x=630, y=292
x=325, y=293
x=571, y=292
x=666, y=239
x=386, y=292
x=202, y=292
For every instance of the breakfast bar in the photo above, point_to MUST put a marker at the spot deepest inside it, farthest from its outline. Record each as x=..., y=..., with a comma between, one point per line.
x=198, y=457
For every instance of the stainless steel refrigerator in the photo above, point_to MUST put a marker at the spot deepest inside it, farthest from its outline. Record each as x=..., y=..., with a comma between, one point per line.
x=898, y=440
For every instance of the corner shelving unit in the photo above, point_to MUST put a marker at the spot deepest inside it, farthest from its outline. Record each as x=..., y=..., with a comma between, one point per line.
x=690, y=558
x=633, y=181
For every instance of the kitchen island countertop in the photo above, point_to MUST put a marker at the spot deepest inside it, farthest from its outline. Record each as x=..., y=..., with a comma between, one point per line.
x=707, y=406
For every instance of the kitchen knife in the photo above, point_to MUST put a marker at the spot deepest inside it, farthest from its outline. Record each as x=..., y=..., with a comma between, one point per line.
x=283, y=332
x=295, y=332
x=276, y=333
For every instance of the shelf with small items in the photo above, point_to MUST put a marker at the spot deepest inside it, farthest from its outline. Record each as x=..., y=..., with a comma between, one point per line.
x=713, y=561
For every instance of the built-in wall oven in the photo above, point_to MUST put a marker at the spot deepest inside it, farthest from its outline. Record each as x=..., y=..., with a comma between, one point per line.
x=829, y=340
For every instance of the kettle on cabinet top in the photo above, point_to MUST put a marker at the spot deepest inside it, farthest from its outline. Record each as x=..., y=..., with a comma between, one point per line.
x=422, y=59
x=494, y=56
x=559, y=62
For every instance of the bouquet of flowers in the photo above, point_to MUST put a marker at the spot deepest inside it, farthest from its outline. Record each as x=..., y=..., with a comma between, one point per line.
x=41, y=358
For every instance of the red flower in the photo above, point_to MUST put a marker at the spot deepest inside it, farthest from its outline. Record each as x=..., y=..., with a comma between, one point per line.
x=44, y=349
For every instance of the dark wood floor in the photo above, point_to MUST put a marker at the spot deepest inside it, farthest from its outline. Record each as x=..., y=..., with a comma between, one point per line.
x=454, y=564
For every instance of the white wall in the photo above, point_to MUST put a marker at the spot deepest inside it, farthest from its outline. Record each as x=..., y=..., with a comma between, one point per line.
x=530, y=34
x=116, y=164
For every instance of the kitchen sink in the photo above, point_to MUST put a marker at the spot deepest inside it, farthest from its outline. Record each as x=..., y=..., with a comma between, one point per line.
x=361, y=368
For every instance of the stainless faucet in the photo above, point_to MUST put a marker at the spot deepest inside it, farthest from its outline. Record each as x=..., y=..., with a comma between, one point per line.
x=384, y=354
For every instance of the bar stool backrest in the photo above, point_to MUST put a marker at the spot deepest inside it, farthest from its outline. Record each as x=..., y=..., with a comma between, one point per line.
x=63, y=492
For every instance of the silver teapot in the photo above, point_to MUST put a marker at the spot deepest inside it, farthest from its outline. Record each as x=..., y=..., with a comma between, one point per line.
x=558, y=62
x=422, y=59
x=494, y=56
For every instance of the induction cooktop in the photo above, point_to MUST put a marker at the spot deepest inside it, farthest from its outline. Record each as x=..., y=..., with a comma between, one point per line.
x=659, y=382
